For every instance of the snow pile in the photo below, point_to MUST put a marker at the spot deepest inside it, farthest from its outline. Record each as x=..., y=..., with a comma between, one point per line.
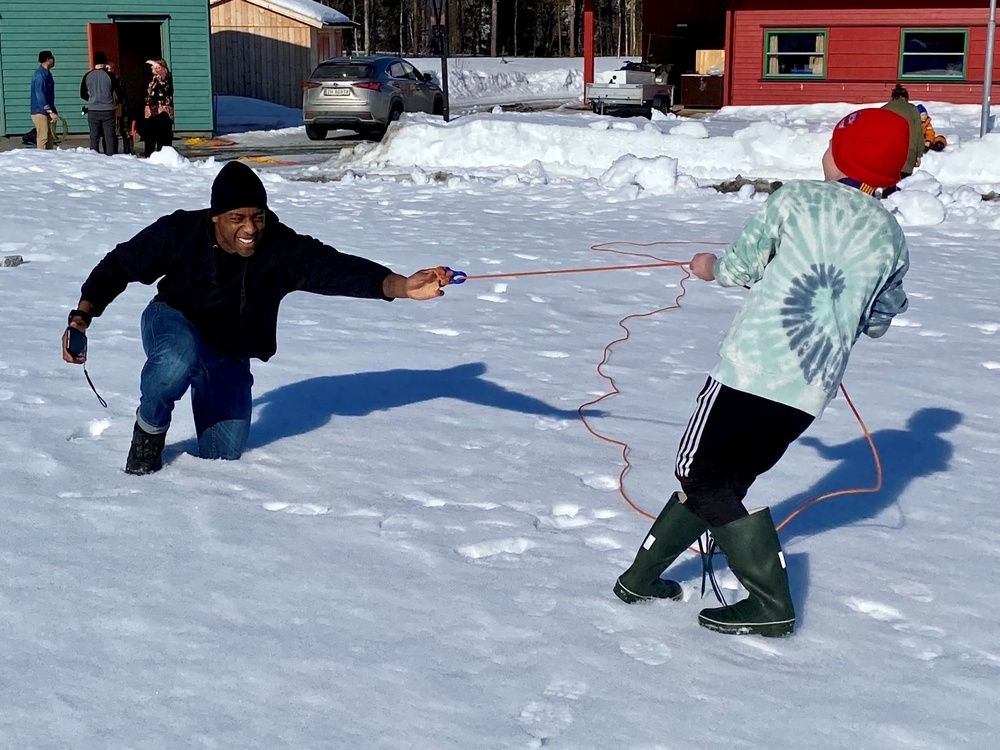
x=314, y=10
x=584, y=145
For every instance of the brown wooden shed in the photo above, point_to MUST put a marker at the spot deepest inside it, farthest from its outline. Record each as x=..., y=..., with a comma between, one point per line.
x=265, y=49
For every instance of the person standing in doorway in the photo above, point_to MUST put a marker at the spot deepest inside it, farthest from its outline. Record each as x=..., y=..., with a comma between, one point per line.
x=43, y=101
x=101, y=90
x=159, y=126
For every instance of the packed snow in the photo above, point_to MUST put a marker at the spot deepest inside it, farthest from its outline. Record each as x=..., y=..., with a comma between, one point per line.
x=314, y=10
x=418, y=548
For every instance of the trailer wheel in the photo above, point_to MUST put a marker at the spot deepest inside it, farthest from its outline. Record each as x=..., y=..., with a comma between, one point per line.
x=662, y=103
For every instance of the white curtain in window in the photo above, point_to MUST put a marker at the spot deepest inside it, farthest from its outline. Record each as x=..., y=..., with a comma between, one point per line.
x=772, y=61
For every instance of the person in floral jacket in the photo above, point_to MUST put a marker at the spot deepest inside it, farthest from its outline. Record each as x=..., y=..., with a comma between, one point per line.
x=158, y=130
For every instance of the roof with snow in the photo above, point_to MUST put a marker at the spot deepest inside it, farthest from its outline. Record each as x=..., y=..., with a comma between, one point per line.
x=307, y=11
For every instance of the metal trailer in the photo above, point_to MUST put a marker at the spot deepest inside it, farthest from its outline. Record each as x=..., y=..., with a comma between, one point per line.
x=629, y=93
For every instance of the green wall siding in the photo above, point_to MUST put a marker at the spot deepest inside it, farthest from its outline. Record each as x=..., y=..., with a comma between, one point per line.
x=27, y=26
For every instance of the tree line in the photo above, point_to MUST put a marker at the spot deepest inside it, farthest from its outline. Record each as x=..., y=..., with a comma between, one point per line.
x=520, y=28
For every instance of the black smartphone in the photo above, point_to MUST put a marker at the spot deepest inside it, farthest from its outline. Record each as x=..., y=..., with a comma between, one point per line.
x=77, y=344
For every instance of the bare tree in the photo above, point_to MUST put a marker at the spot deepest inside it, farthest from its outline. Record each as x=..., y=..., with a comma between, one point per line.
x=493, y=30
x=369, y=11
x=572, y=28
x=516, y=30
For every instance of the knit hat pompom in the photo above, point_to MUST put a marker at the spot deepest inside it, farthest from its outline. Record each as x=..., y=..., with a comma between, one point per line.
x=871, y=146
x=237, y=186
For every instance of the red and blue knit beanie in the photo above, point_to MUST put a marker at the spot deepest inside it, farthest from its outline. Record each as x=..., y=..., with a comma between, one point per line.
x=871, y=146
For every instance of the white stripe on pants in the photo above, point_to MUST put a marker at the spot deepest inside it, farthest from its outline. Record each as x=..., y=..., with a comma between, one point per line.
x=696, y=426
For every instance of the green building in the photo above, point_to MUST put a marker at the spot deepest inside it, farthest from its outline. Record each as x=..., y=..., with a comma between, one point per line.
x=129, y=32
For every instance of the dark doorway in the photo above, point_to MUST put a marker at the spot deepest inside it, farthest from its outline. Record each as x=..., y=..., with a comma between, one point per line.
x=137, y=43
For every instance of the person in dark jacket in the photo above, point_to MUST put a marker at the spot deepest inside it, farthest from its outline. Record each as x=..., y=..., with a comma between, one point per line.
x=222, y=272
x=102, y=92
x=899, y=103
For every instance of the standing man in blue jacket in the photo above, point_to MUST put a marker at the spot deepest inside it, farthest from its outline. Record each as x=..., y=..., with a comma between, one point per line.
x=43, y=101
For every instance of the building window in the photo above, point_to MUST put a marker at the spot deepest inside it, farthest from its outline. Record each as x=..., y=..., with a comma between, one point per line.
x=795, y=54
x=937, y=53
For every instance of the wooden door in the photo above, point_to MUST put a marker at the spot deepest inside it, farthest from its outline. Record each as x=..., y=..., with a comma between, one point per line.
x=103, y=37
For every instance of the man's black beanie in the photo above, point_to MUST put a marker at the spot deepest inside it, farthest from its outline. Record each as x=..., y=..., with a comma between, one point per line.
x=237, y=186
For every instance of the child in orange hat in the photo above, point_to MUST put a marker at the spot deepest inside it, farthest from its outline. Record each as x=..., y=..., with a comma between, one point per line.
x=825, y=263
x=932, y=141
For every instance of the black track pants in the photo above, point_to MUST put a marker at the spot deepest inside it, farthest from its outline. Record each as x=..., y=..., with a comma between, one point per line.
x=732, y=438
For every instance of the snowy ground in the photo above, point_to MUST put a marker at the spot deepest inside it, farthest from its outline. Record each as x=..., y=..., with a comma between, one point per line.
x=418, y=549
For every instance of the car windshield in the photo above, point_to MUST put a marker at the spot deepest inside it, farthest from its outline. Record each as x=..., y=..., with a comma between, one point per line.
x=342, y=72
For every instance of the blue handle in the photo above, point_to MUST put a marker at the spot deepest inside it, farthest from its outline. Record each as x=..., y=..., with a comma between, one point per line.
x=458, y=277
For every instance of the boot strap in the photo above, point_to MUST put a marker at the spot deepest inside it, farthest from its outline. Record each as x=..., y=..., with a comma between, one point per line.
x=708, y=569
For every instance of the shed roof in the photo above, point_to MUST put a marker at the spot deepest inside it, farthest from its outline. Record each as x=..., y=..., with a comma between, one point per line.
x=307, y=11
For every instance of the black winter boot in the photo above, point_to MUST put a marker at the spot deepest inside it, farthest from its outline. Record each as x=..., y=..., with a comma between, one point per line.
x=146, y=453
x=754, y=553
x=673, y=531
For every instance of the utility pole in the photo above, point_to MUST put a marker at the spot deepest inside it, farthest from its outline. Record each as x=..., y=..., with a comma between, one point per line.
x=984, y=124
x=439, y=31
x=588, y=45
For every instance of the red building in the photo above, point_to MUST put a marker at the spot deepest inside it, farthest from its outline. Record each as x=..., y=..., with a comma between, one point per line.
x=808, y=51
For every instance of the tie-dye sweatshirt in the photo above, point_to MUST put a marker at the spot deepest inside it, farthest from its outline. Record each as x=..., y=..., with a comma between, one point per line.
x=826, y=264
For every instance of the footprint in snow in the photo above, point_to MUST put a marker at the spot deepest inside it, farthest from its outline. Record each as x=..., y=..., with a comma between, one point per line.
x=874, y=610
x=564, y=516
x=919, y=592
x=499, y=550
x=93, y=430
x=988, y=328
x=551, y=423
x=647, y=650
x=544, y=720
x=535, y=603
x=298, y=509
x=566, y=688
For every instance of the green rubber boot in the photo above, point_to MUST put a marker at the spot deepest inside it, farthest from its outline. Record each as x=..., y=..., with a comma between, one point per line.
x=754, y=553
x=673, y=531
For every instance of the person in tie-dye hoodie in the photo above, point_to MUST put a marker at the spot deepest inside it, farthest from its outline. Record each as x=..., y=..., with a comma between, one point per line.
x=824, y=263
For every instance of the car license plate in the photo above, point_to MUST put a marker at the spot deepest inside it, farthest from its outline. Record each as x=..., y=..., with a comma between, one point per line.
x=336, y=92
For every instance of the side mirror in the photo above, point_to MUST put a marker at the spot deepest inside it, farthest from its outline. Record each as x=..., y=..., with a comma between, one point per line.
x=427, y=77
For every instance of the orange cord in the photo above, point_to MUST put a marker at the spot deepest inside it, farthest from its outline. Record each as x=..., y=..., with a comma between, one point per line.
x=609, y=247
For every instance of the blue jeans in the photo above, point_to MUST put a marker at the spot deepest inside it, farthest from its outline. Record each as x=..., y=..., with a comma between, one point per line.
x=177, y=357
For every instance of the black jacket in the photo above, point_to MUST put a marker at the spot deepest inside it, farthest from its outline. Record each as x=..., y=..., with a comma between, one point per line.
x=239, y=316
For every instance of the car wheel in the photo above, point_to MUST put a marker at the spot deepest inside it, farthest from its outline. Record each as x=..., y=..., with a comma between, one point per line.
x=395, y=113
x=438, y=107
x=316, y=132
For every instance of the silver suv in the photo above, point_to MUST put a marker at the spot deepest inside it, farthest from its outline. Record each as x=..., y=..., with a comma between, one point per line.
x=365, y=94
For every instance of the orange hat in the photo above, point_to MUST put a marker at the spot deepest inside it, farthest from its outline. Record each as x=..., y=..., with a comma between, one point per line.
x=871, y=146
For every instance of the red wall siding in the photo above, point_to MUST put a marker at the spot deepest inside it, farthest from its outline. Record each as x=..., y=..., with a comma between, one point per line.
x=862, y=50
